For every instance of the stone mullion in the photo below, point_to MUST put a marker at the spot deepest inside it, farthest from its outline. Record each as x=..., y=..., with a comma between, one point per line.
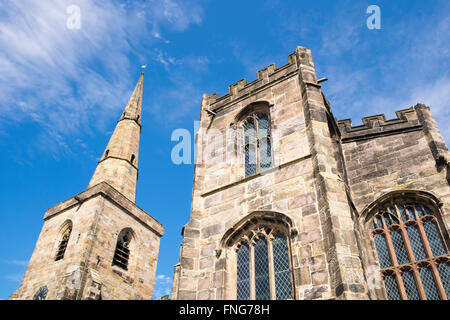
x=273, y=295
x=425, y=241
x=398, y=273
x=437, y=280
x=256, y=142
x=395, y=269
x=412, y=260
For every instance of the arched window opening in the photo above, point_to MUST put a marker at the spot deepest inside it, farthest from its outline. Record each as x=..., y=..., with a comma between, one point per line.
x=41, y=294
x=413, y=256
x=257, y=141
x=122, y=252
x=64, y=239
x=106, y=153
x=266, y=256
x=132, y=158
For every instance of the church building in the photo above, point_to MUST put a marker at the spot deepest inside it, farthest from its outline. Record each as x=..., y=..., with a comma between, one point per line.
x=289, y=203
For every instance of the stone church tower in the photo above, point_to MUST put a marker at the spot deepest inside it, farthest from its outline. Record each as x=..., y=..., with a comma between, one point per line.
x=99, y=244
x=289, y=203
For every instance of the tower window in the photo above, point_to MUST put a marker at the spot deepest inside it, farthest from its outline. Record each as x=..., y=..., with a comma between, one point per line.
x=106, y=153
x=132, y=158
x=65, y=236
x=122, y=252
x=413, y=256
x=257, y=142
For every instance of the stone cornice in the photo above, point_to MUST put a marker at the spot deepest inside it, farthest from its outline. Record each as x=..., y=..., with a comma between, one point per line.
x=105, y=190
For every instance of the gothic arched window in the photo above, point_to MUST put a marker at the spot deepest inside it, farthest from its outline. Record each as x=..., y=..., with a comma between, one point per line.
x=122, y=252
x=262, y=265
x=412, y=253
x=257, y=141
x=64, y=239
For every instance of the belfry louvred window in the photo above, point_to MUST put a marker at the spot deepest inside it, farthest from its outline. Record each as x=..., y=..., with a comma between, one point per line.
x=64, y=239
x=257, y=143
x=263, y=267
x=412, y=253
x=122, y=252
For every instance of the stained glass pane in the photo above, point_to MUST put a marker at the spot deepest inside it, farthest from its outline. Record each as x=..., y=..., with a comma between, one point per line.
x=265, y=154
x=416, y=242
x=250, y=160
x=444, y=273
x=428, y=284
x=382, y=250
x=281, y=267
x=391, y=287
x=410, y=286
x=434, y=237
x=262, y=286
x=399, y=247
x=243, y=273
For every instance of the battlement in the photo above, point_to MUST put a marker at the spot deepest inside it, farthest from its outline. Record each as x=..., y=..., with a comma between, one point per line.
x=266, y=76
x=407, y=120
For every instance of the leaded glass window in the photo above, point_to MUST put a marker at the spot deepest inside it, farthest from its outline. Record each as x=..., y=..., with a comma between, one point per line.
x=257, y=143
x=411, y=250
x=270, y=266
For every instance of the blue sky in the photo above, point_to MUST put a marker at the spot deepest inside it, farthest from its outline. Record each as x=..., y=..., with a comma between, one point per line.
x=62, y=90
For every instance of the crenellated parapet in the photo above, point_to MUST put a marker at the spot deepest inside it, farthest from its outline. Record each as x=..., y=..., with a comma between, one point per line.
x=265, y=77
x=377, y=125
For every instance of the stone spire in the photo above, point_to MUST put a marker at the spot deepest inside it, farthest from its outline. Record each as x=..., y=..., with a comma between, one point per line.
x=119, y=163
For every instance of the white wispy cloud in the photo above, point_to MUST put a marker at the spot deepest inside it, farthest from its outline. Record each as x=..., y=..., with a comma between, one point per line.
x=411, y=67
x=72, y=80
x=13, y=273
x=162, y=287
x=14, y=277
x=22, y=263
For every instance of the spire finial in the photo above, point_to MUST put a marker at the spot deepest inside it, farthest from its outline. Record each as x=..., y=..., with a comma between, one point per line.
x=143, y=67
